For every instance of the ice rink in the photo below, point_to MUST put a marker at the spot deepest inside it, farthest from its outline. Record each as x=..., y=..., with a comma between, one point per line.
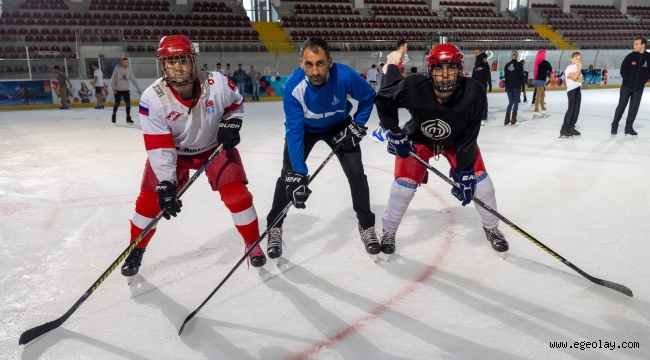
x=68, y=183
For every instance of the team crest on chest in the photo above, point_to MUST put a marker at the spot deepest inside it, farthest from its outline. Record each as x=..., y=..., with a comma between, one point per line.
x=436, y=129
x=173, y=116
x=210, y=107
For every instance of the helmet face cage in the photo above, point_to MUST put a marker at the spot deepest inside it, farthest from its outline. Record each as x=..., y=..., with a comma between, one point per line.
x=177, y=63
x=450, y=86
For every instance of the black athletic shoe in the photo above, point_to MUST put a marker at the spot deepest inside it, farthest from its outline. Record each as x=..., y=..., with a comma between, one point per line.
x=274, y=247
x=133, y=262
x=496, y=239
x=630, y=132
x=113, y=118
x=574, y=132
x=128, y=120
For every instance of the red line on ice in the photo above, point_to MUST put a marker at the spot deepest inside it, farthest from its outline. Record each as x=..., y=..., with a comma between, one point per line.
x=374, y=314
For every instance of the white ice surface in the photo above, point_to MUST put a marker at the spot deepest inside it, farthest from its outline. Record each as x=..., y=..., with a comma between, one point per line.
x=69, y=179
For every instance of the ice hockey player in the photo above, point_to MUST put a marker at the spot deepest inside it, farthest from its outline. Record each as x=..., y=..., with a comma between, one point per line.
x=185, y=115
x=316, y=108
x=446, y=111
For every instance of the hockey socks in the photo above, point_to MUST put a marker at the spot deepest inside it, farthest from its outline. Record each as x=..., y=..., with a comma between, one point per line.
x=239, y=201
x=146, y=208
x=401, y=194
x=485, y=192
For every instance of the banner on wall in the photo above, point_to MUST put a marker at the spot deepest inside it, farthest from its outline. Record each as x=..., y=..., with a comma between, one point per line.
x=25, y=93
x=592, y=77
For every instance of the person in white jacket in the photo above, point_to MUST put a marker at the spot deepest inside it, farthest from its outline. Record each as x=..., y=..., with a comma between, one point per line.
x=122, y=75
x=185, y=115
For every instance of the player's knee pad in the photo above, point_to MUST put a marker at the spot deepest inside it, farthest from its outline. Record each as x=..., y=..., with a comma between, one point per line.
x=236, y=196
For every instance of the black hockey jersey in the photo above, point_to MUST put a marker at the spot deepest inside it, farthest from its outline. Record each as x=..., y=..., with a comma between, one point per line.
x=458, y=120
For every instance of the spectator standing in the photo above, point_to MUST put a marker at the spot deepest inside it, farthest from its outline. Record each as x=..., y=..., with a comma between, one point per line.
x=205, y=68
x=63, y=89
x=514, y=78
x=240, y=78
x=541, y=72
x=228, y=73
x=255, y=77
x=574, y=81
x=371, y=75
x=98, y=83
x=481, y=73
x=524, y=85
x=392, y=71
x=635, y=74
x=219, y=69
x=122, y=75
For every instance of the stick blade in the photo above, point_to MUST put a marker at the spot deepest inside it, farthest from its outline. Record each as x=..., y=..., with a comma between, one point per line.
x=33, y=333
x=187, y=319
x=618, y=287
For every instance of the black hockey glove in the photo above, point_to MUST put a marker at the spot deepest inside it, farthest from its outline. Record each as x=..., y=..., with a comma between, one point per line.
x=228, y=134
x=467, y=186
x=297, y=190
x=350, y=136
x=167, y=199
x=399, y=144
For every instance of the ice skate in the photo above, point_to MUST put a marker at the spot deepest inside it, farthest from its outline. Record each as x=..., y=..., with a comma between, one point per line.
x=506, y=121
x=630, y=133
x=129, y=121
x=614, y=131
x=525, y=101
x=497, y=240
x=387, y=243
x=378, y=134
x=132, y=264
x=369, y=239
x=537, y=115
x=113, y=118
x=256, y=257
x=545, y=113
x=565, y=134
x=513, y=119
x=574, y=132
x=274, y=247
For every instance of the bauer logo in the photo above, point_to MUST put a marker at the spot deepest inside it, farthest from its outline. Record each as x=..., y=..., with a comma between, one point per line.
x=436, y=129
x=173, y=116
x=210, y=106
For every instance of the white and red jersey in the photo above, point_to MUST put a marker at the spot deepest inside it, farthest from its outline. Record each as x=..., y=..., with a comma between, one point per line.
x=171, y=129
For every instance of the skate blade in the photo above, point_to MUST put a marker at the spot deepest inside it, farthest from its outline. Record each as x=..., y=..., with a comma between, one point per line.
x=373, y=257
x=387, y=256
x=630, y=136
x=502, y=255
x=613, y=136
x=280, y=261
x=565, y=137
x=129, y=280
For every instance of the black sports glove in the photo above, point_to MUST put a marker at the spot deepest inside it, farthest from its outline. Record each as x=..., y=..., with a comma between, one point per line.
x=350, y=136
x=228, y=134
x=167, y=199
x=297, y=190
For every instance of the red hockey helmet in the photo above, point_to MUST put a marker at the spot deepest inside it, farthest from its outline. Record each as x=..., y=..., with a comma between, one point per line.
x=445, y=54
x=177, y=49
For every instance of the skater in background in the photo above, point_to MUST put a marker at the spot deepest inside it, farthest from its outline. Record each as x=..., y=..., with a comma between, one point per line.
x=316, y=109
x=514, y=78
x=524, y=85
x=445, y=118
x=371, y=75
x=635, y=74
x=541, y=72
x=482, y=74
x=574, y=81
x=98, y=83
x=62, y=81
x=84, y=93
x=393, y=70
x=185, y=115
x=122, y=75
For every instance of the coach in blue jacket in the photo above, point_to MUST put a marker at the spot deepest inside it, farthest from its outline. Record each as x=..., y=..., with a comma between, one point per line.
x=316, y=108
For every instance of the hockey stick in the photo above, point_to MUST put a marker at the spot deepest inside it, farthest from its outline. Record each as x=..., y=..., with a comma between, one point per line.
x=608, y=284
x=33, y=333
x=275, y=222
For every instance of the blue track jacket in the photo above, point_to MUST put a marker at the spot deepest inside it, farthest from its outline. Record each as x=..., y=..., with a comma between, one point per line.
x=317, y=109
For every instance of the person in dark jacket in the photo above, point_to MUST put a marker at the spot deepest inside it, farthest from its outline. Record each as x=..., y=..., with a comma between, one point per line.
x=481, y=73
x=635, y=73
x=541, y=72
x=514, y=77
x=524, y=85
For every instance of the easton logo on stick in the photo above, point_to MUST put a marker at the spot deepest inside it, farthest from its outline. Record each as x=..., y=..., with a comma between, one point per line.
x=436, y=129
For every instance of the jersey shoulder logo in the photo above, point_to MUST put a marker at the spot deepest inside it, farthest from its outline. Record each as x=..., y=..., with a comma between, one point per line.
x=159, y=91
x=173, y=116
x=210, y=107
x=231, y=84
x=336, y=101
x=436, y=129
